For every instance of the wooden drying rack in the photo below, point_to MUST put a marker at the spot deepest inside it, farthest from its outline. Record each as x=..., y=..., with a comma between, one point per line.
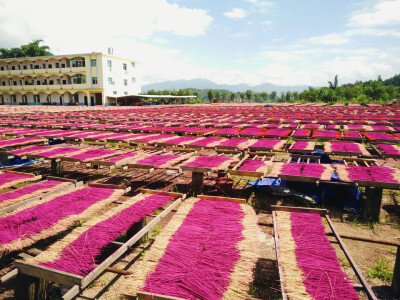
x=321, y=212
x=78, y=282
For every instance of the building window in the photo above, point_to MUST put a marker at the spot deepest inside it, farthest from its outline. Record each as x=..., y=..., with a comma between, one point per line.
x=57, y=65
x=79, y=79
x=110, y=81
x=24, y=99
x=13, y=68
x=44, y=66
x=13, y=98
x=50, y=66
x=25, y=67
x=124, y=67
x=78, y=62
x=2, y=68
x=109, y=64
x=51, y=82
x=64, y=81
x=125, y=93
x=114, y=92
x=62, y=65
x=3, y=83
x=125, y=82
x=94, y=80
x=133, y=79
x=133, y=64
x=93, y=62
x=14, y=83
x=37, y=98
x=37, y=67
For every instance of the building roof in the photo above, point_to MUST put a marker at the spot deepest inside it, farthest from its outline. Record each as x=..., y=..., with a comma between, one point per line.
x=64, y=55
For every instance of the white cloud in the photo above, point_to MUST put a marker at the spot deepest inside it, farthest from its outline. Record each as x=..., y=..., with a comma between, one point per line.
x=86, y=22
x=236, y=13
x=329, y=39
x=381, y=13
x=240, y=35
x=261, y=6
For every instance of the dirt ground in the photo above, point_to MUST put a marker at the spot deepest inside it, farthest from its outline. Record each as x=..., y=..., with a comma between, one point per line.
x=266, y=283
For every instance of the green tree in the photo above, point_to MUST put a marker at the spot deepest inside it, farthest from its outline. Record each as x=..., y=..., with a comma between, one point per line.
x=273, y=95
x=288, y=96
x=233, y=96
x=217, y=94
x=249, y=95
x=224, y=95
x=32, y=49
x=335, y=83
x=210, y=95
x=264, y=96
x=242, y=95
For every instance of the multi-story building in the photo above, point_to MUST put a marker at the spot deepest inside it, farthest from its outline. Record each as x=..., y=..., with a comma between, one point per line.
x=81, y=79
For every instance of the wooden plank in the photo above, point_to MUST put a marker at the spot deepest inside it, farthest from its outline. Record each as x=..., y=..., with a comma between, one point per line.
x=108, y=186
x=10, y=275
x=396, y=275
x=72, y=292
x=137, y=166
x=22, y=173
x=299, y=178
x=377, y=184
x=240, y=162
x=360, y=276
x=196, y=169
x=320, y=211
x=117, y=254
x=48, y=273
x=151, y=296
x=246, y=173
x=148, y=191
x=61, y=179
x=277, y=251
x=219, y=198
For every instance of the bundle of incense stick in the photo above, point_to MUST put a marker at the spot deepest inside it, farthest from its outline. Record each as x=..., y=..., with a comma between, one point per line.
x=30, y=191
x=9, y=179
x=19, y=142
x=33, y=222
x=163, y=160
x=91, y=154
x=390, y=149
x=269, y=144
x=308, y=260
x=77, y=252
x=241, y=144
x=303, y=145
x=60, y=151
x=350, y=147
x=350, y=173
x=321, y=171
x=207, y=251
x=212, y=162
x=254, y=165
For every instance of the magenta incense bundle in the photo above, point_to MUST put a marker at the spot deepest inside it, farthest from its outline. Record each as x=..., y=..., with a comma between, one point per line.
x=309, y=263
x=34, y=222
x=78, y=251
x=207, y=251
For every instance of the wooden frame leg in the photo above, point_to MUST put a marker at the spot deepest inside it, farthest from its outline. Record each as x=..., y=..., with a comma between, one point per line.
x=56, y=167
x=197, y=182
x=396, y=275
x=30, y=288
x=372, y=204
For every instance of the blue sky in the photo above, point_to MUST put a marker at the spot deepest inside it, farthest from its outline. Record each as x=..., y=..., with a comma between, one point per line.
x=243, y=41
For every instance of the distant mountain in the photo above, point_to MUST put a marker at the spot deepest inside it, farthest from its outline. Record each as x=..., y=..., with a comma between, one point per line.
x=202, y=84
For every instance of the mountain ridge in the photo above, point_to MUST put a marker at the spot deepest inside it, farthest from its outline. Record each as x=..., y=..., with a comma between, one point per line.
x=202, y=84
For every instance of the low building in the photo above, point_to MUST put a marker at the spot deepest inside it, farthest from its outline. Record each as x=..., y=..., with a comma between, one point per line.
x=80, y=79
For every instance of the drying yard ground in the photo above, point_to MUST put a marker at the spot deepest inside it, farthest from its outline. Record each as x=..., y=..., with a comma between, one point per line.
x=375, y=260
x=368, y=256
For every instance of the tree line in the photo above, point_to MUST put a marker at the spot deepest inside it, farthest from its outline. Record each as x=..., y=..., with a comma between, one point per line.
x=359, y=92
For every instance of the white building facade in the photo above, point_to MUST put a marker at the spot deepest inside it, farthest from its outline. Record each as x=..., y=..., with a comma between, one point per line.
x=79, y=79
